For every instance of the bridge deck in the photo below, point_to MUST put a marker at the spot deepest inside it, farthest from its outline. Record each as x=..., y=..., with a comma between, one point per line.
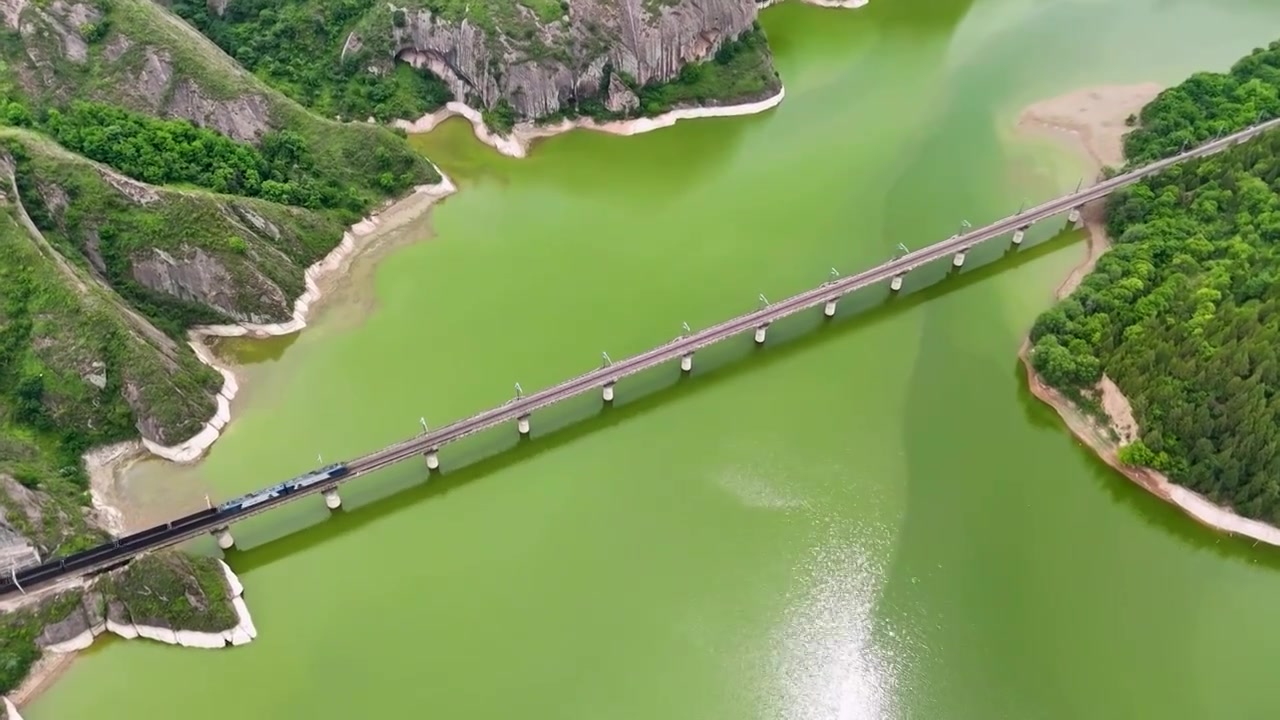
x=817, y=296
x=681, y=346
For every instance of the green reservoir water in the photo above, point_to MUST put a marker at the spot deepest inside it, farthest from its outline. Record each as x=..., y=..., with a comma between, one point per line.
x=866, y=519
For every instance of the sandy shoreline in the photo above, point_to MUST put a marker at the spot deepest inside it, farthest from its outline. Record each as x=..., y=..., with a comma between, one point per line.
x=1091, y=122
x=522, y=137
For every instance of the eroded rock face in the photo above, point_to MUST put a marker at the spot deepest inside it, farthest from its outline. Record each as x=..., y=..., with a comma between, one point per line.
x=245, y=118
x=620, y=97
x=53, y=32
x=200, y=277
x=539, y=66
x=77, y=629
x=16, y=550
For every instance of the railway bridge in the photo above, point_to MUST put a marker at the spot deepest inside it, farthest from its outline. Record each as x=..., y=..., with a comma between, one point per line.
x=427, y=445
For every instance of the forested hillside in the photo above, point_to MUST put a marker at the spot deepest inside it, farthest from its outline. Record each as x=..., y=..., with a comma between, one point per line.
x=1184, y=313
x=147, y=183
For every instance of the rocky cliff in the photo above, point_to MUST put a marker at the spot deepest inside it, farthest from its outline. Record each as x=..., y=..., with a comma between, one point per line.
x=537, y=57
x=539, y=66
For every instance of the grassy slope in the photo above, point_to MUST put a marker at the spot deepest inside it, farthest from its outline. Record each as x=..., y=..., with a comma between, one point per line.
x=347, y=152
x=60, y=324
x=63, y=332
x=178, y=222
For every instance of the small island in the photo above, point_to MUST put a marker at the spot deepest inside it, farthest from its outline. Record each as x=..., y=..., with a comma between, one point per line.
x=1163, y=359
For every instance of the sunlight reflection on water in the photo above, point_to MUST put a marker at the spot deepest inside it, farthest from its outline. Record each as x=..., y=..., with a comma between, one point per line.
x=828, y=662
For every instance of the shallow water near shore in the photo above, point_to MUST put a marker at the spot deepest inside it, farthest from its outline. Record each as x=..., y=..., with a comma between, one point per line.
x=867, y=518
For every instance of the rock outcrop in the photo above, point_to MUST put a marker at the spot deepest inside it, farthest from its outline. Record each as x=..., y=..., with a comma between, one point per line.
x=165, y=596
x=33, y=524
x=145, y=76
x=194, y=275
x=99, y=610
x=538, y=66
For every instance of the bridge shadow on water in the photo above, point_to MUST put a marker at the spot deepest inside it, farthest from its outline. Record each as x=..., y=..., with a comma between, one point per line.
x=566, y=422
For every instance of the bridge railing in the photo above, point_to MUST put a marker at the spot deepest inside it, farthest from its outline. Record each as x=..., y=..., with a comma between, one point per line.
x=685, y=344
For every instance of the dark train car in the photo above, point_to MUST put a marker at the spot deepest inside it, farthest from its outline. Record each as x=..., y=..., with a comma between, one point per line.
x=142, y=537
x=40, y=573
x=193, y=518
x=103, y=555
x=91, y=553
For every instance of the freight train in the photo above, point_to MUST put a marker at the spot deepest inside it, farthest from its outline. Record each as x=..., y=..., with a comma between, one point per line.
x=129, y=545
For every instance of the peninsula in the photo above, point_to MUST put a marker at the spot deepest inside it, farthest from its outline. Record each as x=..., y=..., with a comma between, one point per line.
x=1163, y=357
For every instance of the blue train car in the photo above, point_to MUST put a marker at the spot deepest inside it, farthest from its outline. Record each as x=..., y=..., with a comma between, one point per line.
x=314, y=477
x=329, y=472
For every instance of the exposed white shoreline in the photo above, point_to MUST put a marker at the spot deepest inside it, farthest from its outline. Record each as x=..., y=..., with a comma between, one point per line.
x=423, y=197
x=841, y=4
x=517, y=144
x=242, y=633
x=58, y=654
x=335, y=263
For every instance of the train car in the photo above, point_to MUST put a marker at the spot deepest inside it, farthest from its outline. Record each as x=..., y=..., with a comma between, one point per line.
x=326, y=473
x=91, y=553
x=264, y=496
x=193, y=518
x=106, y=554
x=142, y=535
x=251, y=499
x=329, y=472
x=41, y=573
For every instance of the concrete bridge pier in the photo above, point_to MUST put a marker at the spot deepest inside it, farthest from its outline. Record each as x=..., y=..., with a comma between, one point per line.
x=332, y=499
x=958, y=260
x=896, y=283
x=830, y=308
x=1073, y=217
x=433, y=459
x=522, y=424
x=760, y=333
x=1018, y=235
x=686, y=362
x=225, y=541
x=608, y=392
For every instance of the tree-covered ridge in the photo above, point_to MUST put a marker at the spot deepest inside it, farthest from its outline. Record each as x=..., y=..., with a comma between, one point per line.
x=1184, y=312
x=1207, y=105
x=120, y=76
x=298, y=47
x=176, y=152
